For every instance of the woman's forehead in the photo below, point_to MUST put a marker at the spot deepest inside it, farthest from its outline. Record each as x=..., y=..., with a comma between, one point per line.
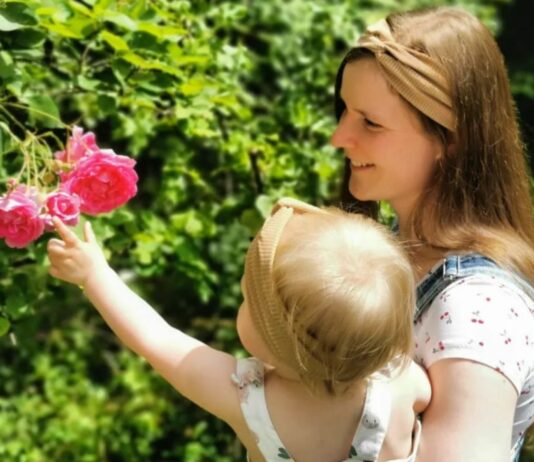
x=364, y=83
x=364, y=89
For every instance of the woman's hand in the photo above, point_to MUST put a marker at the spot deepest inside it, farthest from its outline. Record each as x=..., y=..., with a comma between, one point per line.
x=72, y=259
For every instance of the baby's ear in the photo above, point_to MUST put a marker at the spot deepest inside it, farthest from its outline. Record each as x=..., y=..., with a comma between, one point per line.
x=295, y=204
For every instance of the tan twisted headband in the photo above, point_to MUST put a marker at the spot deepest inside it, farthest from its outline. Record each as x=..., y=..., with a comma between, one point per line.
x=268, y=313
x=416, y=76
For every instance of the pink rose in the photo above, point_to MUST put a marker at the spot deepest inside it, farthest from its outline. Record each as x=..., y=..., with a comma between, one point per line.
x=20, y=223
x=63, y=205
x=79, y=146
x=103, y=181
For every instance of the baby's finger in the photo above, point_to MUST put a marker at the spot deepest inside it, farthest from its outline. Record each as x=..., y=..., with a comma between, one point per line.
x=65, y=233
x=52, y=243
x=55, y=252
x=88, y=232
x=53, y=271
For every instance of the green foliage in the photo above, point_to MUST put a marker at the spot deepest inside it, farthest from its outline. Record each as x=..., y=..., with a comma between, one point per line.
x=226, y=106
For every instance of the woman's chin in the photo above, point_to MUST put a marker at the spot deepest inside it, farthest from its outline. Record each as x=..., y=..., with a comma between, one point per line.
x=360, y=195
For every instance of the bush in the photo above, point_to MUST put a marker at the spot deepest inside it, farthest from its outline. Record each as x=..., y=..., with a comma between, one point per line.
x=226, y=106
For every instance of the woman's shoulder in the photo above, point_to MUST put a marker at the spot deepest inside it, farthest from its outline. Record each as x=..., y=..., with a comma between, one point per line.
x=479, y=302
x=480, y=318
x=485, y=288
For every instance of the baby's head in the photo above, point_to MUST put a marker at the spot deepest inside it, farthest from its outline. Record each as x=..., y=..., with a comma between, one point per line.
x=330, y=293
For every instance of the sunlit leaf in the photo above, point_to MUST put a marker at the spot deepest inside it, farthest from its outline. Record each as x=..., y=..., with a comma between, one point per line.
x=115, y=41
x=4, y=326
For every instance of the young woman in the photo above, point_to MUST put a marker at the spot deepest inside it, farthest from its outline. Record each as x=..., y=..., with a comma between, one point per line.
x=427, y=123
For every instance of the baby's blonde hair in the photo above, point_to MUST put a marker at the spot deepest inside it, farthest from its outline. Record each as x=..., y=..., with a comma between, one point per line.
x=347, y=284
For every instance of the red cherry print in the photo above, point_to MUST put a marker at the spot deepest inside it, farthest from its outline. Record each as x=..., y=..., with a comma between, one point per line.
x=506, y=338
x=476, y=317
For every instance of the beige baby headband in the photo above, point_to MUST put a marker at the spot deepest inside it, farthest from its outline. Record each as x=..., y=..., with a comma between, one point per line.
x=268, y=313
x=416, y=76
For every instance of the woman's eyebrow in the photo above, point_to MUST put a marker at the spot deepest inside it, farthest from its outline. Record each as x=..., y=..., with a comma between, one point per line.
x=366, y=114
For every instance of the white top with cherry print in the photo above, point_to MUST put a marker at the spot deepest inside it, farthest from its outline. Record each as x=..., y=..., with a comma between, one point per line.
x=484, y=319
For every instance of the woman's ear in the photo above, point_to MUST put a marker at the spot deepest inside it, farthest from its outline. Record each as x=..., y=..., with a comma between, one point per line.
x=451, y=144
x=448, y=148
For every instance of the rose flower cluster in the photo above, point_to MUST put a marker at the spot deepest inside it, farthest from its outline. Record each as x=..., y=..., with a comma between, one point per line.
x=91, y=181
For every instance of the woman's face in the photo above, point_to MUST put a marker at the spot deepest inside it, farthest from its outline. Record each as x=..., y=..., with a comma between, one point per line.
x=391, y=156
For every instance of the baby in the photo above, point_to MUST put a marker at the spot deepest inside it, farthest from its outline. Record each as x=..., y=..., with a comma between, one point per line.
x=327, y=317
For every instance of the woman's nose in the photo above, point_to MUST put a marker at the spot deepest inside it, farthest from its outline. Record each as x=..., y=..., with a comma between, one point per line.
x=343, y=136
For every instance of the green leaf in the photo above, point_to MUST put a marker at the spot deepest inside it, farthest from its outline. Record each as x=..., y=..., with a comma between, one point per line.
x=27, y=38
x=4, y=326
x=77, y=6
x=190, y=59
x=46, y=11
x=107, y=104
x=15, y=15
x=264, y=204
x=116, y=42
x=6, y=25
x=117, y=18
x=16, y=303
x=7, y=70
x=63, y=30
x=88, y=84
x=161, y=31
x=193, y=86
x=43, y=110
x=143, y=63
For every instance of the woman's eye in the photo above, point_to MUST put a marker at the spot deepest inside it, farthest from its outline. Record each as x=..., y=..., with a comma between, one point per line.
x=371, y=124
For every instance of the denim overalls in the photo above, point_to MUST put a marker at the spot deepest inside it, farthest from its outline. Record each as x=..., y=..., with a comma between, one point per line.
x=459, y=266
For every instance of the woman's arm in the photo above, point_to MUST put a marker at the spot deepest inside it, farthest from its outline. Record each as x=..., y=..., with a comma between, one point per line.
x=470, y=415
x=199, y=372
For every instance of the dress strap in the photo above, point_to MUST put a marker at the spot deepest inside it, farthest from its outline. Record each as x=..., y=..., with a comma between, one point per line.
x=455, y=267
x=249, y=379
x=373, y=425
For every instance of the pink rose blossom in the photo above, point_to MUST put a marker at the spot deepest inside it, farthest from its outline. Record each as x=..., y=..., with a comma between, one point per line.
x=78, y=146
x=20, y=223
x=63, y=205
x=103, y=181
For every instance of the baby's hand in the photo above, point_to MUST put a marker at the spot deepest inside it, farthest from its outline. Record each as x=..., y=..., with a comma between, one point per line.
x=72, y=259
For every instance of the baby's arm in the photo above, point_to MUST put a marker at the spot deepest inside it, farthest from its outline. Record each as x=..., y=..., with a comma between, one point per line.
x=199, y=372
x=410, y=393
x=421, y=387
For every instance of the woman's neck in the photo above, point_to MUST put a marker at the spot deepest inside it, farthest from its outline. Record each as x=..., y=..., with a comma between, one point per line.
x=422, y=255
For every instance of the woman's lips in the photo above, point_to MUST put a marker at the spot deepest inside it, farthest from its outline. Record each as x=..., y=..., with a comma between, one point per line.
x=359, y=167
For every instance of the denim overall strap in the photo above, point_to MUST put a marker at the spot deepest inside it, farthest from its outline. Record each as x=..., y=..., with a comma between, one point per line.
x=455, y=267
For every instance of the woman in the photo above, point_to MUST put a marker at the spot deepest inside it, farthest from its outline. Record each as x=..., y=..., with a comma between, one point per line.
x=427, y=123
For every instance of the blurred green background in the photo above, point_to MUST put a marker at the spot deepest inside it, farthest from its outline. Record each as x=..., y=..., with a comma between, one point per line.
x=226, y=106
